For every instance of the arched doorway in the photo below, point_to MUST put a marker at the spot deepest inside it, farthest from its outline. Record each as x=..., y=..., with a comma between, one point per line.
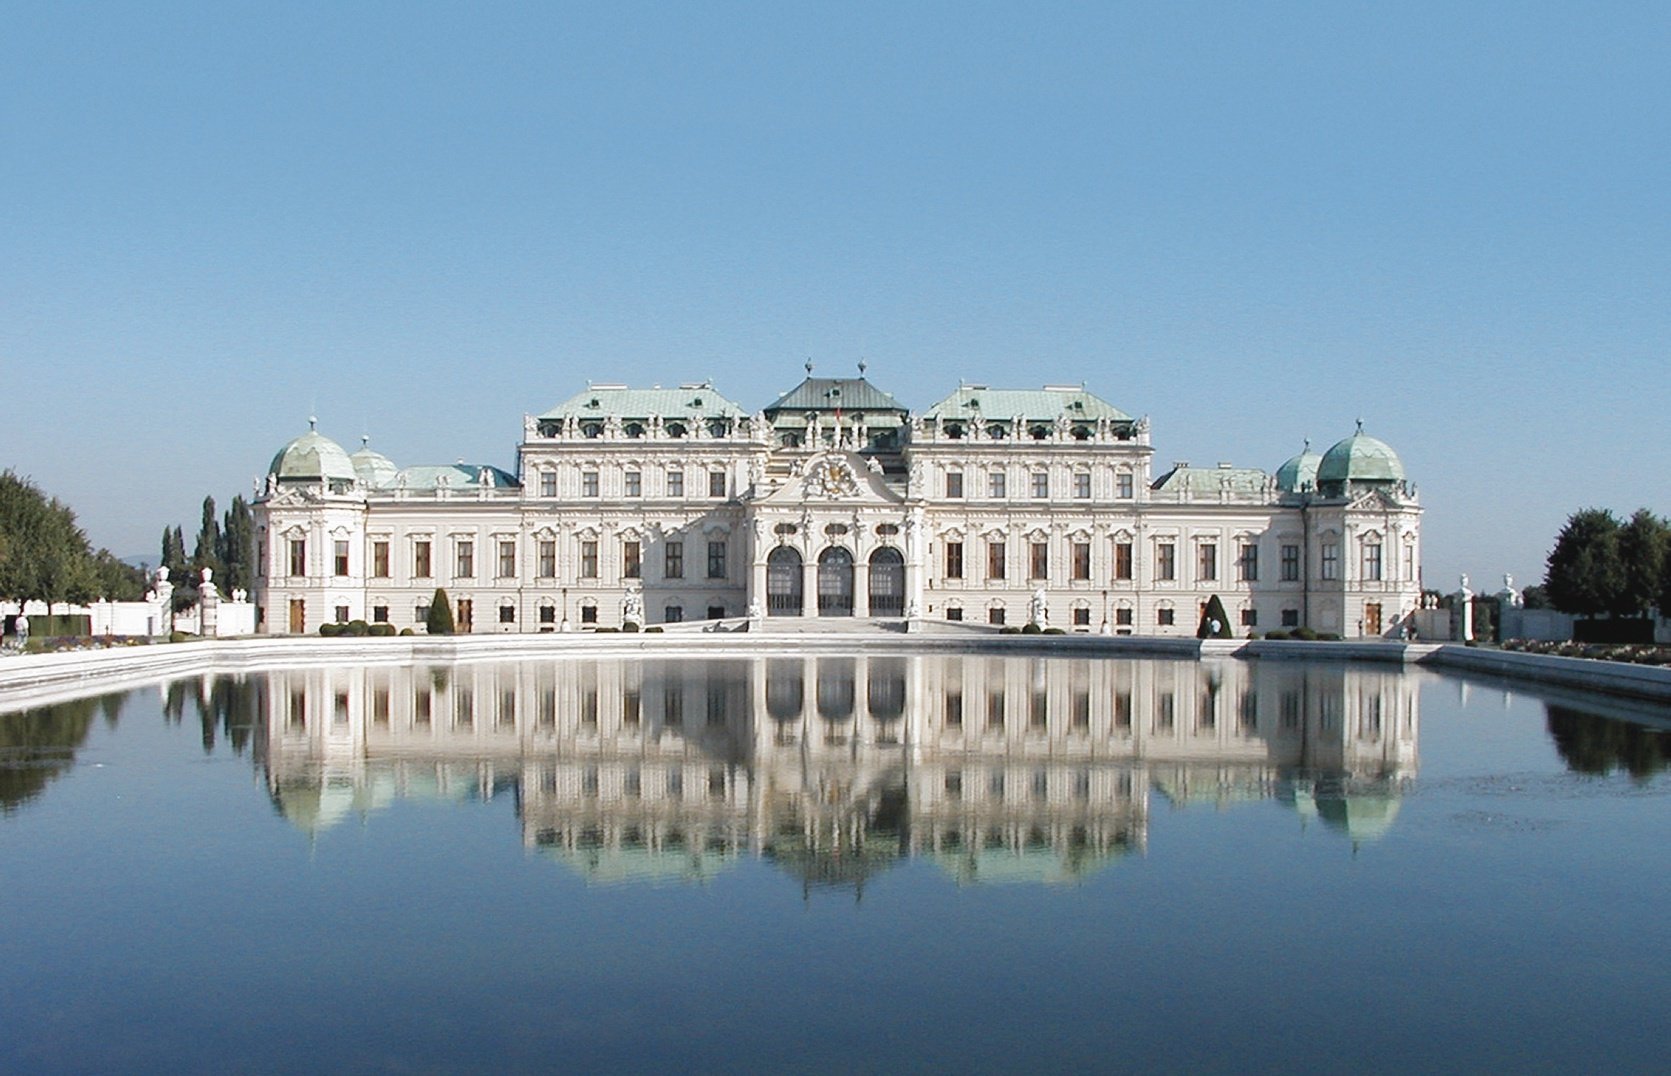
x=783, y=582
x=835, y=582
x=887, y=582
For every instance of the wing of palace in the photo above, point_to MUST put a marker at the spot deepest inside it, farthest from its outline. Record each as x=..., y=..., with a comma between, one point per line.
x=989, y=507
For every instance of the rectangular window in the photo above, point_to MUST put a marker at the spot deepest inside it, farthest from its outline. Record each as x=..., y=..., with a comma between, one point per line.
x=1041, y=485
x=995, y=617
x=1164, y=617
x=507, y=559
x=588, y=560
x=548, y=614
x=1122, y=616
x=1166, y=561
x=716, y=612
x=465, y=559
x=954, y=612
x=631, y=563
x=1040, y=557
x=1082, y=485
x=954, y=485
x=1372, y=563
x=507, y=614
x=380, y=560
x=673, y=566
x=340, y=558
x=635, y=484
x=548, y=558
x=1082, y=560
x=675, y=483
x=1331, y=560
x=1290, y=564
x=1290, y=618
x=716, y=560
x=589, y=484
x=1247, y=563
x=548, y=483
x=995, y=485
x=1250, y=618
x=1123, y=485
x=380, y=614
x=954, y=560
x=298, y=556
x=588, y=614
x=1122, y=560
x=673, y=614
x=1209, y=561
x=420, y=613
x=716, y=483
x=342, y=614
x=995, y=560
x=420, y=559
x=1082, y=617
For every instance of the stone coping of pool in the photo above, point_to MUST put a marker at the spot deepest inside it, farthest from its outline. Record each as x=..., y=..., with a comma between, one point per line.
x=35, y=679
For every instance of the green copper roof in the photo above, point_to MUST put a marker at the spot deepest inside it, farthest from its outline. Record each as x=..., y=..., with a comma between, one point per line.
x=376, y=470
x=689, y=401
x=457, y=476
x=1360, y=458
x=1299, y=473
x=1210, y=481
x=829, y=393
x=976, y=401
x=312, y=457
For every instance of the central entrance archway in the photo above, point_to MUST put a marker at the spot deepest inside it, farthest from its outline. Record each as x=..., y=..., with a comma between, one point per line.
x=783, y=582
x=887, y=582
x=835, y=582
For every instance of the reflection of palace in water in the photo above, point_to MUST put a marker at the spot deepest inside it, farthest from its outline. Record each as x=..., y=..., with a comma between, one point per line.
x=836, y=767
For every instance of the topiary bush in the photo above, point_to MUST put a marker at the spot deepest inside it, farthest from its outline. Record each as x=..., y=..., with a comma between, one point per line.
x=653, y=628
x=1278, y=634
x=630, y=626
x=384, y=630
x=1305, y=634
x=1031, y=629
x=1054, y=631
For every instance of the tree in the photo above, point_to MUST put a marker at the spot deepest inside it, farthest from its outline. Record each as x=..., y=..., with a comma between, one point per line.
x=1214, y=623
x=208, y=551
x=1584, y=574
x=43, y=551
x=238, y=546
x=1642, y=546
x=440, y=619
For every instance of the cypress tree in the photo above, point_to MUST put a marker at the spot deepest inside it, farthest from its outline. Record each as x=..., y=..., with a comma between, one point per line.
x=207, y=552
x=440, y=619
x=237, y=551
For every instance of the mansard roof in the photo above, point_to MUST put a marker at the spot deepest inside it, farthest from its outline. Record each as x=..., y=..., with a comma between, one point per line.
x=456, y=476
x=829, y=393
x=979, y=401
x=696, y=400
x=1211, y=481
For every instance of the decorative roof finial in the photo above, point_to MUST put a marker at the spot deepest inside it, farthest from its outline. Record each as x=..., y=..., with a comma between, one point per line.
x=313, y=422
x=1360, y=425
x=862, y=366
x=1305, y=447
x=365, y=440
x=809, y=366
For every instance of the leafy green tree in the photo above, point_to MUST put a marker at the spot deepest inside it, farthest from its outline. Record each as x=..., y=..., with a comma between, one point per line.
x=1584, y=574
x=440, y=619
x=1642, y=545
x=117, y=580
x=1535, y=597
x=43, y=551
x=1215, y=624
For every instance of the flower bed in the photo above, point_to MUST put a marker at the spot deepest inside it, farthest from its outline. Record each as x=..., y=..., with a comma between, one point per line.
x=1634, y=653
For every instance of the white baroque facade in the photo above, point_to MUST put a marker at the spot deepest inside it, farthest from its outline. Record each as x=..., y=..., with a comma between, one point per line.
x=992, y=506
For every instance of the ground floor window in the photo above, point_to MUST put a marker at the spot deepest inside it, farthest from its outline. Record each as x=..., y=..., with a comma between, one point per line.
x=548, y=614
x=588, y=614
x=673, y=614
x=716, y=612
x=507, y=614
x=954, y=613
x=1290, y=618
x=342, y=614
x=994, y=616
x=1123, y=615
x=1250, y=618
x=380, y=614
x=1082, y=618
x=1165, y=617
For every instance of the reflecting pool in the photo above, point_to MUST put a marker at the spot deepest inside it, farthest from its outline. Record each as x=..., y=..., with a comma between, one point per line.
x=863, y=863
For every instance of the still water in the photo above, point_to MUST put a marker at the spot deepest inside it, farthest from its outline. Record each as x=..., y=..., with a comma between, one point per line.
x=866, y=863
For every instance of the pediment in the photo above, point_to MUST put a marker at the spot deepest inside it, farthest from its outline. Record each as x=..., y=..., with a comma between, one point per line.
x=843, y=478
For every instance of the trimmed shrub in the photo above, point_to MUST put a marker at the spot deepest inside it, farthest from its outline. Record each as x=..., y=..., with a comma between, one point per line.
x=1304, y=633
x=630, y=626
x=1278, y=634
x=1215, y=622
x=1009, y=629
x=1031, y=629
x=330, y=631
x=653, y=628
x=606, y=631
x=1328, y=637
x=382, y=630
x=407, y=631
x=357, y=627
x=440, y=619
x=1054, y=631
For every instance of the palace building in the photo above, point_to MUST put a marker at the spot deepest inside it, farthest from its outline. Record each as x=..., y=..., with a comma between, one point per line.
x=989, y=507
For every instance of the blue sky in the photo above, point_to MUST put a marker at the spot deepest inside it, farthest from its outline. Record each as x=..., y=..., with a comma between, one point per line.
x=1253, y=223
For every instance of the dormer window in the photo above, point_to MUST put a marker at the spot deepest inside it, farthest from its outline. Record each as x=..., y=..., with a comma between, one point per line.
x=634, y=430
x=675, y=429
x=592, y=430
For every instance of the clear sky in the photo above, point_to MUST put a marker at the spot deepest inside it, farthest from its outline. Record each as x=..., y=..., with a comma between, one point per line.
x=1252, y=222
